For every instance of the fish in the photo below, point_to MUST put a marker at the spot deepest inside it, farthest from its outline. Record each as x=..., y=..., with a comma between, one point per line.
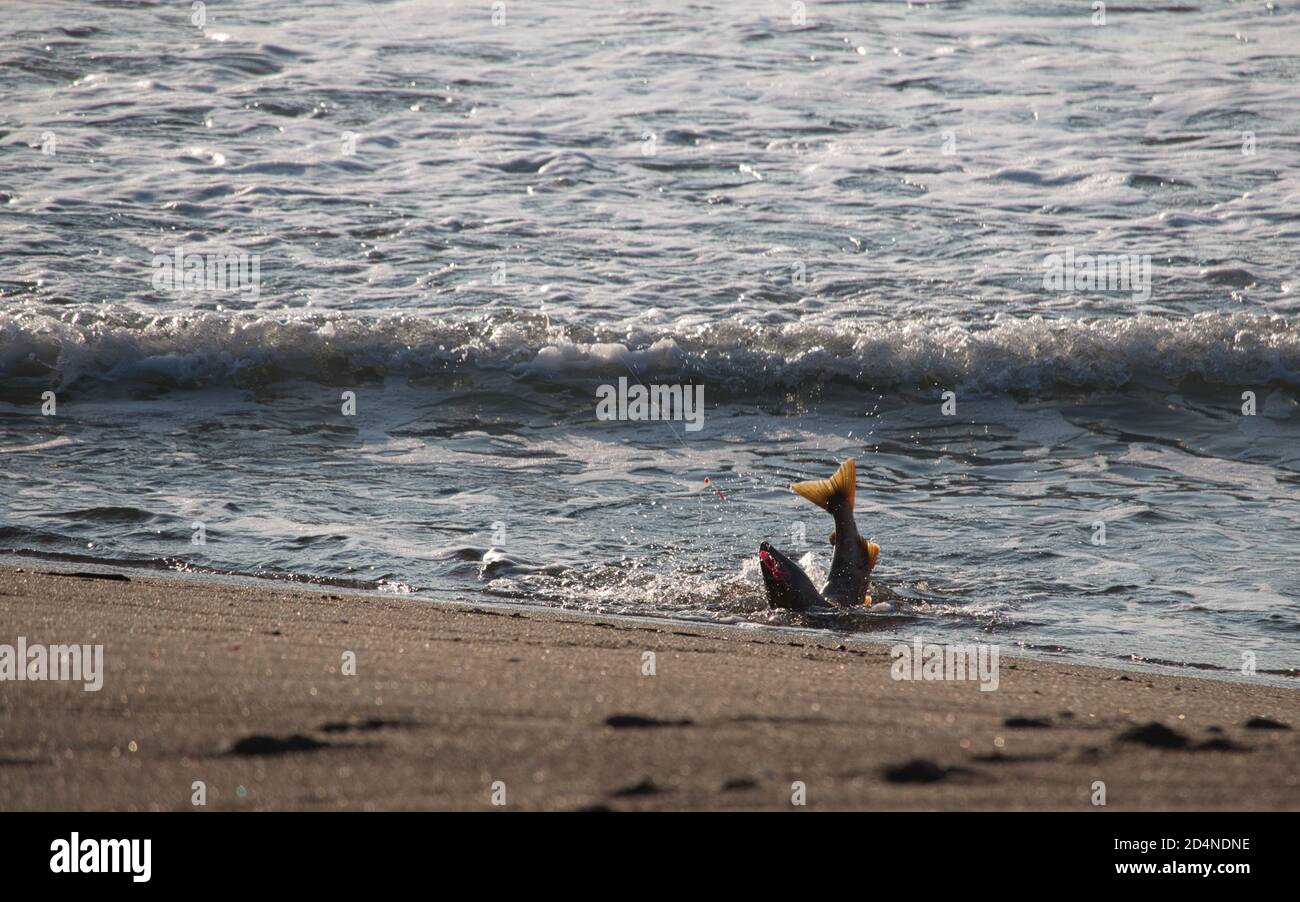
x=851, y=564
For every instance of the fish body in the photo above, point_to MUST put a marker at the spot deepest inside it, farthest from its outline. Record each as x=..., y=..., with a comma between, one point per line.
x=853, y=558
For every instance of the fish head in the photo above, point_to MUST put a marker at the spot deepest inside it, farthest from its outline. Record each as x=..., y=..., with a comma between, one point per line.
x=786, y=584
x=774, y=563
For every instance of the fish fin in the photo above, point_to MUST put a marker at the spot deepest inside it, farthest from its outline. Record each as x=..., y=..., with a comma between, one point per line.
x=822, y=492
x=872, y=551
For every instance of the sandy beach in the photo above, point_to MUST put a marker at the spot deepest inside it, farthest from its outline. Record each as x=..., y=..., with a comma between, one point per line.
x=243, y=688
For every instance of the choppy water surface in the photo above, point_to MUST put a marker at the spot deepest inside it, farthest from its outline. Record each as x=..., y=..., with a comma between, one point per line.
x=472, y=225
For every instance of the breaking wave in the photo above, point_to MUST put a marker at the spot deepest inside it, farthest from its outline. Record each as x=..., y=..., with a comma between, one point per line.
x=85, y=347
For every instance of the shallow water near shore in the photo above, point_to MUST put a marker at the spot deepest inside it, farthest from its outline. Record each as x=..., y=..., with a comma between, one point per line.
x=471, y=228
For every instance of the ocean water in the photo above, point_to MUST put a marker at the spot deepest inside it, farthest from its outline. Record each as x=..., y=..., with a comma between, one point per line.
x=457, y=222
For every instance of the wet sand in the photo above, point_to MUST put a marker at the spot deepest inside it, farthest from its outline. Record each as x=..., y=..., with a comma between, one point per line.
x=243, y=688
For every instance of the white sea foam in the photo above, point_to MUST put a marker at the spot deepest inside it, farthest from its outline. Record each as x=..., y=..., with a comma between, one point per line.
x=1034, y=354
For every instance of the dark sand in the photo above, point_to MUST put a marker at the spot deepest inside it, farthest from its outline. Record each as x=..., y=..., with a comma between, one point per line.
x=448, y=700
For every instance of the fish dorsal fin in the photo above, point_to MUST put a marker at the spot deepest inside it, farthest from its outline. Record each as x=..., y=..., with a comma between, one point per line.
x=822, y=492
x=872, y=551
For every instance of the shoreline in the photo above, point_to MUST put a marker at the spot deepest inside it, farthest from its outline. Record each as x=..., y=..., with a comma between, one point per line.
x=1134, y=665
x=242, y=687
